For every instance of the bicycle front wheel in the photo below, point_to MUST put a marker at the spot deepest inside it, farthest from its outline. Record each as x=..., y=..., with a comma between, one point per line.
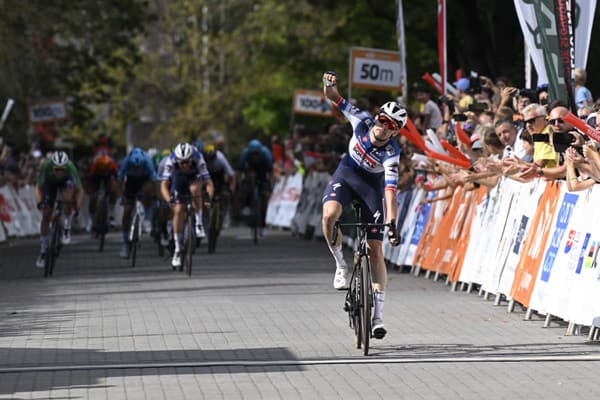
x=213, y=228
x=189, y=247
x=135, y=237
x=52, y=251
x=366, y=303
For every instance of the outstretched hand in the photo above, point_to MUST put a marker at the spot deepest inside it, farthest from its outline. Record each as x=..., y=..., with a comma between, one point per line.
x=392, y=233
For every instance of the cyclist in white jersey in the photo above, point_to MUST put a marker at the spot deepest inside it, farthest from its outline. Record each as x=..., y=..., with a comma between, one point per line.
x=372, y=159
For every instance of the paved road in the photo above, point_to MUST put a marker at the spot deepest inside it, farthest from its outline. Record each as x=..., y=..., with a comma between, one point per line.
x=262, y=322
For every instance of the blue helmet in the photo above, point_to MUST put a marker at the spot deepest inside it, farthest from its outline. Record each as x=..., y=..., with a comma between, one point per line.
x=136, y=157
x=198, y=144
x=254, y=145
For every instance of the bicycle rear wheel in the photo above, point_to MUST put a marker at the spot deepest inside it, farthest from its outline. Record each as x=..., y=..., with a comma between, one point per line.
x=256, y=214
x=366, y=303
x=189, y=244
x=101, y=221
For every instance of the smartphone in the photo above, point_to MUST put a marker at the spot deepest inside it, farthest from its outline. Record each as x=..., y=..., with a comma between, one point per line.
x=459, y=117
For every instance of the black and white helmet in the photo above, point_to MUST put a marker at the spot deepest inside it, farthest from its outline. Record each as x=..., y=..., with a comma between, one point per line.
x=59, y=159
x=396, y=112
x=183, y=151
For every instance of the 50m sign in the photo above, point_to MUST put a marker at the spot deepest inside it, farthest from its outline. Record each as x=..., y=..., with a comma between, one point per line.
x=375, y=69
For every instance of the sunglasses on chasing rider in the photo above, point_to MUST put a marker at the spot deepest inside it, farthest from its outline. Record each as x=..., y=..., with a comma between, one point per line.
x=386, y=122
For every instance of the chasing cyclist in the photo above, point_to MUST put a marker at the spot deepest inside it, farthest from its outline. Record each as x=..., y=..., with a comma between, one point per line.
x=57, y=174
x=372, y=159
x=256, y=162
x=184, y=172
x=137, y=175
x=102, y=170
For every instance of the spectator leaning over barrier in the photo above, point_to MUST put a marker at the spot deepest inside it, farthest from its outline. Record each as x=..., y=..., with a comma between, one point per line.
x=579, y=172
x=372, y=157
x=57, y=176
x=463, y=99
x=514, y=146
x=537, y=126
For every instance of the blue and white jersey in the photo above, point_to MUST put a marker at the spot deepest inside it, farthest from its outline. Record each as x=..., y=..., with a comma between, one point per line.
x=363, y=155
x=146, y=169
x=198, y=167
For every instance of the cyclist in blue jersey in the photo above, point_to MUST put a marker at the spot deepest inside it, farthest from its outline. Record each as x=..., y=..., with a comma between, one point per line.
x=256, y=162
x=368, y=172
x=184, y=172
x=137, y=174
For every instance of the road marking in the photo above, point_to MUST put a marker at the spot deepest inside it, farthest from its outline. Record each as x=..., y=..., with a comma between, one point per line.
x=301, y=363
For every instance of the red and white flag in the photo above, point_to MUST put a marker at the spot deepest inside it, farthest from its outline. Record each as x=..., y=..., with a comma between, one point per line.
x=442, y=43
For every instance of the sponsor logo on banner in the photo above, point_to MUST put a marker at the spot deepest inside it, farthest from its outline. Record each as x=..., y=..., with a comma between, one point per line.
x=570, y=239
x=562, y=221
x=48, y=111
x=520, y=234
x=586, y=241
x=311, y=102
x=591, y=255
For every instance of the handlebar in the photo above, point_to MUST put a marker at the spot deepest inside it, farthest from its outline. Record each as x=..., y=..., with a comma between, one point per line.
x=360, y=225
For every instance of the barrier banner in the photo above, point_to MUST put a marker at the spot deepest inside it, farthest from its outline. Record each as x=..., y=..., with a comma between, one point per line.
x=462, y=245
x=413, y=226
x=10, y=212
x=584, y=296
x=569, y=259
x=435, y=216
x=431, y=260
x=284, y=201
x=525, y=206
x=560, y=225
x=33, y=216
x=533, y=246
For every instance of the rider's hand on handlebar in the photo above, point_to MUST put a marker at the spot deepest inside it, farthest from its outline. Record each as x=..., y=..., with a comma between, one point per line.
x=392, y=233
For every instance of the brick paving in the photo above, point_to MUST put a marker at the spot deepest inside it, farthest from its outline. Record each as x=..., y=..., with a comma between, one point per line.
x=260, y=322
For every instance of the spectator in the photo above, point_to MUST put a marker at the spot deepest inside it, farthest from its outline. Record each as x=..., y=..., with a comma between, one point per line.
x=536, y=125
x=429, y=112
x=464, y=99
x=513, y=144
x=583, y=96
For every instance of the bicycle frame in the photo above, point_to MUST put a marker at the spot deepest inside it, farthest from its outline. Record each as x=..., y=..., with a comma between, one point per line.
x=53, y=249
x=135, y=230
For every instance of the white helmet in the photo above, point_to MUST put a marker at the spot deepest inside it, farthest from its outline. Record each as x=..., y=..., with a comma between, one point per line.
x=59, y=159
x=395, y=112
x=183, y=151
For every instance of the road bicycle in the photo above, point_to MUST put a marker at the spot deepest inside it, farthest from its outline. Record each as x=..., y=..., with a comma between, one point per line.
x=190, y=239
x=359, y=296
x=136, y=231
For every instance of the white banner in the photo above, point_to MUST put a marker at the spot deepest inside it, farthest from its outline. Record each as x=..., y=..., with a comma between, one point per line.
x=284, y=200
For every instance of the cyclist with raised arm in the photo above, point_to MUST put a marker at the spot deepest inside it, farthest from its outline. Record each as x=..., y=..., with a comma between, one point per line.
x=257, y=161
x=369, y=167
x=137, y=176
x=184, y=172
x=56, y=174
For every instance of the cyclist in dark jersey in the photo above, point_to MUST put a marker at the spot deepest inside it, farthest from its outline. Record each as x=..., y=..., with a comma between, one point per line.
x=367, y=173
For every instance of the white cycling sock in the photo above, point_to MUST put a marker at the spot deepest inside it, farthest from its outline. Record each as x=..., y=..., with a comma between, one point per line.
x=199, y=217
x=68, y=219
x=177, y=239
x=43, y=243
x=379, y=299
x=338, y=254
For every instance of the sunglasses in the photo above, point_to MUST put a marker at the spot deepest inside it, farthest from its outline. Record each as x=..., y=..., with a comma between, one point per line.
x=185, y=162
x=531, y=120
x=387, y=123
x=583, y=116
x=59, y=169
x=555, y=120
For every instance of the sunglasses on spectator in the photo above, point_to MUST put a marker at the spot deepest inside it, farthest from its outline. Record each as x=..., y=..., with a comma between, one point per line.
x=555, y=120
x=532, y=120
x=386, y=122
x=583, y=116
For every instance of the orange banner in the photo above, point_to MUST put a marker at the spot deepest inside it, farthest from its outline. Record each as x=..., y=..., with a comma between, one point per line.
x=532, y=252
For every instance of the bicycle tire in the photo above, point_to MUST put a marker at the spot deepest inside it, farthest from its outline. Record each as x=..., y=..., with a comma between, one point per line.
x=134, y=239
x=49, y=253
x=256, y=213
x=354, y=309
x=101, y=221
x=54, y=244
x=213, y=226
x=366, y=303
x=189, y=248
